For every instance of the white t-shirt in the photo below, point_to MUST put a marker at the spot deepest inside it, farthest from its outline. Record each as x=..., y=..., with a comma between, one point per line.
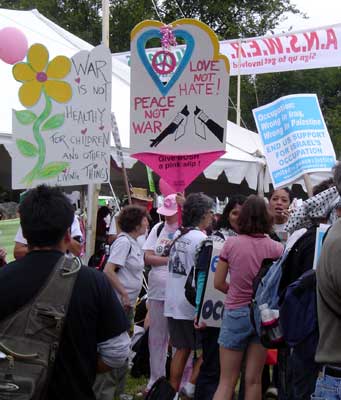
x=75, y=231
x=126, y=253
x=158, y=274
x=181, y=260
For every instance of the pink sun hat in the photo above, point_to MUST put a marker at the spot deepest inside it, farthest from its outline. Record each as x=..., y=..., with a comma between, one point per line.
x=169, y=207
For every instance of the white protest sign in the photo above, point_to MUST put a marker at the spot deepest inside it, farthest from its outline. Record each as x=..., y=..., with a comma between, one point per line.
x=117, y=140
x=295, y=138
x=187, y=114
x=320, y=232
x=212, y=305
x=63, y=135
x=304, y=49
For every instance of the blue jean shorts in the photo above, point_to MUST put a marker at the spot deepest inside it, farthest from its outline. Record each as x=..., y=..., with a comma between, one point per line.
x=327, y=388
x=236, y=331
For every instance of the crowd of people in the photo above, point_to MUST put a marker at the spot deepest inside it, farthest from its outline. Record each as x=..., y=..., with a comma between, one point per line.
x=173, y=255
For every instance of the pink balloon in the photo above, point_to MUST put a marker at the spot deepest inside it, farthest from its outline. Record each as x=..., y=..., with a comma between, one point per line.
x=13, y=45
x=165, y=188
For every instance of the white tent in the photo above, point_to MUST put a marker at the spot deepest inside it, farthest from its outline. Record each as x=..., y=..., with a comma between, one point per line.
x=243, y=158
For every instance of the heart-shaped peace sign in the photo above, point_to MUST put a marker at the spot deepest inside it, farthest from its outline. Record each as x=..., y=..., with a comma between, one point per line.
x=164, y=65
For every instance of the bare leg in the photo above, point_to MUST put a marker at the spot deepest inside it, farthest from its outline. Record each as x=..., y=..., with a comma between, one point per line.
x=255, y=359
x=195, y=371
x=177, y=367
x=230, y=362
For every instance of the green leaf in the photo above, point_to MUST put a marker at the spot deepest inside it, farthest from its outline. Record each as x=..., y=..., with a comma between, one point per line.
x=52, y=169
x=54, y=122
x=26, y=148
x=25, y=117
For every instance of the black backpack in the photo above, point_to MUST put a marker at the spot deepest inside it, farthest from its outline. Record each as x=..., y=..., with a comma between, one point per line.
x=298, y=315
x=161, y=390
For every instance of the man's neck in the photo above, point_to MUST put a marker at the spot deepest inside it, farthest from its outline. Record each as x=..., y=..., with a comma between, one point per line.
x=47, y=248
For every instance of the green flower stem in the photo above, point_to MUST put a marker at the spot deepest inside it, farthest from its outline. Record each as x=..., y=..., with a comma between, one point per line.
x=40, y=140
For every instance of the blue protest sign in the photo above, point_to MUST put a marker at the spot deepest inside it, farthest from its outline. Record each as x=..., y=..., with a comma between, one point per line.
x=295, y=138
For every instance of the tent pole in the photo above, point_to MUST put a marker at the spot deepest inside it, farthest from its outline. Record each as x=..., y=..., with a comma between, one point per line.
x=94, y=189
x=308, y=185
x=260, y=183
x=238, y=83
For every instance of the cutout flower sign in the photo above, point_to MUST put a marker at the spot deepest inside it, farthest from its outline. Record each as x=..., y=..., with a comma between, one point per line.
x=41, y=77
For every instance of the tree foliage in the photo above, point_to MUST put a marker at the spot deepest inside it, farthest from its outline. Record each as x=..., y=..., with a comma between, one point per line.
x=80, y=17
x=231, y=19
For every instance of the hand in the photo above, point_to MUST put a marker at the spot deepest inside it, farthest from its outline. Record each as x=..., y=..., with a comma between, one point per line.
x=3, y=254
x=180, y=199
x=286, y=213
x=198, y=326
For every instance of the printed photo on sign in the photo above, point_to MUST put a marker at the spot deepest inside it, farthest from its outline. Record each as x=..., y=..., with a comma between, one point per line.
x=295, y=138
x=62, y=136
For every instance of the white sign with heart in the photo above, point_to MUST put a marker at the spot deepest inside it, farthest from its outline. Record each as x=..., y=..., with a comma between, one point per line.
x=185, y=112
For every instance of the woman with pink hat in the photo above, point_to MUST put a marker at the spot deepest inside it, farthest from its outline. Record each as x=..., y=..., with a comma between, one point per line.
x=156, y=254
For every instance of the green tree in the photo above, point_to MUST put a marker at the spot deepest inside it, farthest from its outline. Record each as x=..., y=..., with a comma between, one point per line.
x=124, y=15
x=231, y=19
x=81, y=17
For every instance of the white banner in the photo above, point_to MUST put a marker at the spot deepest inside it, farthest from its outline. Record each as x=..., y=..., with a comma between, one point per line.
x=311, y=48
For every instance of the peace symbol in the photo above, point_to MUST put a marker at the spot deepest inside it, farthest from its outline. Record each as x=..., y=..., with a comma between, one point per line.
x=163, y=62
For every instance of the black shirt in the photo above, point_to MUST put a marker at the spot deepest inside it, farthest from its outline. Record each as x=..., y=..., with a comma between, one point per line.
x=300, y=258
x=95, y=315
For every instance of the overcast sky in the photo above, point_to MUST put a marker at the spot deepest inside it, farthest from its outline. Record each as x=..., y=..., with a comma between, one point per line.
x=320, y=13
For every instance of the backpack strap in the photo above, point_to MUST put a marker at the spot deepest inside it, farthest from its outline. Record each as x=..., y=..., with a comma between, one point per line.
x=125, y=236
x=159, y=229
x=52, y=303
x=183, y=231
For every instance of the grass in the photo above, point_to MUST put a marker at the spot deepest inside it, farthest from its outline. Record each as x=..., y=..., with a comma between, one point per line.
x=135, y=385
x=8, y=230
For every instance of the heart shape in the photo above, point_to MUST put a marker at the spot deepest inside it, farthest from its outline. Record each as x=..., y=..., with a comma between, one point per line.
x=155, y=33
x=83, y=131
x=101, y=127
x=78, y=79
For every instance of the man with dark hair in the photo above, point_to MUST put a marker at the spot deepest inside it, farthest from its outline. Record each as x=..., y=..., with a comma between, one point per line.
x=94, y=335
x=328, y=275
